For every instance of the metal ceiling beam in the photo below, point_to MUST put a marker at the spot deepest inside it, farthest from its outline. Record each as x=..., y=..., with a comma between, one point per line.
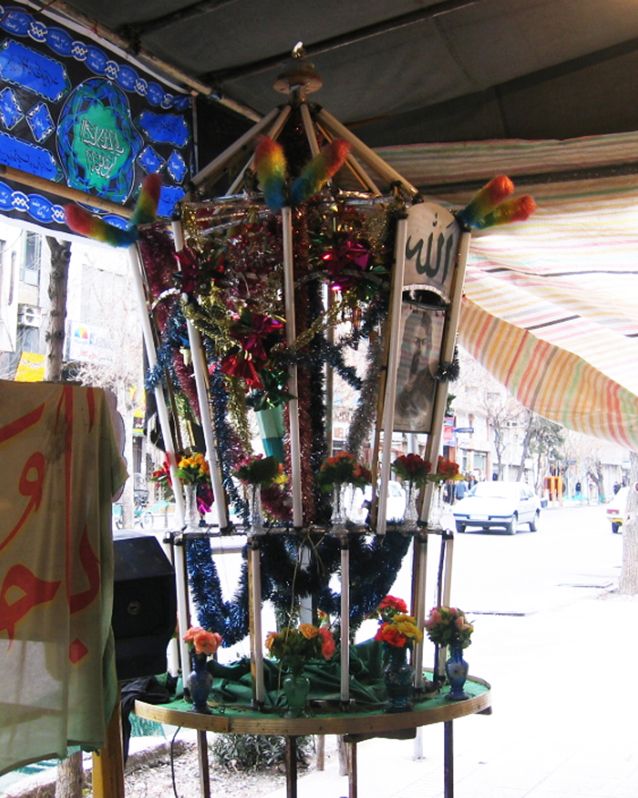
x=342, y=40
x=145, y=59
x=136, y=30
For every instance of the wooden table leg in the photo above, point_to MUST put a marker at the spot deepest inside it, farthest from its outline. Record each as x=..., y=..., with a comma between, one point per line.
x=291, y=767
x=448, y=760
x=204, y=772
x=108, y=762
x=352, y=770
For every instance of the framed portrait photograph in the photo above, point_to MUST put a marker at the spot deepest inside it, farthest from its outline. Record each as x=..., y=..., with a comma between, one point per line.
x=421, y=341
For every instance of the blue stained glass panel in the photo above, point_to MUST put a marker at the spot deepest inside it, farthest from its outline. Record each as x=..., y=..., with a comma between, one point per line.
x=28, y=157
x=164, y=128
x=10, y=111
x=150, y=161
x=60, y=41
x=25, y=67
x=169, y=197
x=176, y=167
x=16, y=22
x=40, y=121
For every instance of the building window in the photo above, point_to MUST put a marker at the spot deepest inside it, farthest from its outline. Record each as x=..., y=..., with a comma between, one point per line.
x=30, y=272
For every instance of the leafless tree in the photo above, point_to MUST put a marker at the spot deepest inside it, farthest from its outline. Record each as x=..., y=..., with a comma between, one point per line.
x=70, y=775
x=628, y=582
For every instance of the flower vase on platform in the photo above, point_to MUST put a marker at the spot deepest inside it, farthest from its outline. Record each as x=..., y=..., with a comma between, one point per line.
x=436, y=506
x=411, y=515
x=200, y=682
x=191, y=511
x=456, y=669
x=296, y=687
x=338, y=518
x=398, y=680
x=256, y=516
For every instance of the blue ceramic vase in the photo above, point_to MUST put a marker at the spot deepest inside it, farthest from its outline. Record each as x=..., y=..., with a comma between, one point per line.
x=398, y=680
x=200, y=682
x=456, y=669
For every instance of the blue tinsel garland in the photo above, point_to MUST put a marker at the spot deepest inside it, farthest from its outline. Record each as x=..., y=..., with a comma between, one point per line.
x=374, y=565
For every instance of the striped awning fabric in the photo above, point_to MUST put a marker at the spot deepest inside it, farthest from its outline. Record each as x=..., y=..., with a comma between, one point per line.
x=551, y=304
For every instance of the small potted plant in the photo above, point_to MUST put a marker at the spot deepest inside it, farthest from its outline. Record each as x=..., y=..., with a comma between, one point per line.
x=202, y=644
x=398, y=632
x=293, y=647
x=448, y=627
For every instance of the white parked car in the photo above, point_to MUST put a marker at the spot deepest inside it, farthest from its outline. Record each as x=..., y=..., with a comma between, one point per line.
x=498, y=505
x=358, y=504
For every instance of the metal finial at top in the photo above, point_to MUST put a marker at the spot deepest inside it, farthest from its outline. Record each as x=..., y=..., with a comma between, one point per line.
x=298, y=74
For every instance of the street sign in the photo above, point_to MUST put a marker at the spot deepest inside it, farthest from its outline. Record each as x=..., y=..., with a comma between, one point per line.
x=469, y=430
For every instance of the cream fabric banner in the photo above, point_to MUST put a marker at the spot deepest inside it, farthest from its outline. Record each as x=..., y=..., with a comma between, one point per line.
x=59, y=467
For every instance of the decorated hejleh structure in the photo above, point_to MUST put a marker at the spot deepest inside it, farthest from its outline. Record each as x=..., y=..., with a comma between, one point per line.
x=318, y=260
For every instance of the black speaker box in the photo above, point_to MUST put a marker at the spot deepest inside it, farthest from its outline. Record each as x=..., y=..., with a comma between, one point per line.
x=144, y=605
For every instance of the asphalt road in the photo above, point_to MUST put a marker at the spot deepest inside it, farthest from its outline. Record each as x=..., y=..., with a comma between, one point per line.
x=573, y=555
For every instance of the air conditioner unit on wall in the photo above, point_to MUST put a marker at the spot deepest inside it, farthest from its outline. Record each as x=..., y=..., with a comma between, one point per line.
x=29, y=316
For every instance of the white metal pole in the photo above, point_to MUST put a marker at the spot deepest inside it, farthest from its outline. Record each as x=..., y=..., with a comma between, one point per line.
x=162, y=413
x=201, y=384
x=345, y=620
x=293, y=404
x=391, y=374
x=254, y=615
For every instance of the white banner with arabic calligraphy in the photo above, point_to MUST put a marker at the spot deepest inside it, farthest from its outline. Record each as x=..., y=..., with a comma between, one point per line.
x=431, y=249
x=59, y=467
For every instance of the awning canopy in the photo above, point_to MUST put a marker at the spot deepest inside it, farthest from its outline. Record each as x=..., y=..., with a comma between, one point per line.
x=404, y=71
x=551, y=305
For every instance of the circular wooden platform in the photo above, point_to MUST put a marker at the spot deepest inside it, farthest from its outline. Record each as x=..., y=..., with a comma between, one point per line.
x=230, y=718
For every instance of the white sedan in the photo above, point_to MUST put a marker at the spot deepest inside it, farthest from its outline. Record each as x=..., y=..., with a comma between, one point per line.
x=498, y=505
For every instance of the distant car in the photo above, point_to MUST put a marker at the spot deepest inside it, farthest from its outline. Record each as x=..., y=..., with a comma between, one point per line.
x=358, y=503
x=616, y=509
x=498, y=505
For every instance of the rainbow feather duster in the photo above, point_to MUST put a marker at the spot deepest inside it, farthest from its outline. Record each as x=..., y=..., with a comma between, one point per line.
x=146, y=205
x=516, y=210
x=270, y=166
x=491, y=195
x=316, y=173
x=87, y=224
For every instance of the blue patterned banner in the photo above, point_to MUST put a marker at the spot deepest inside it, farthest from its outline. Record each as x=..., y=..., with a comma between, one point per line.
x=72, y=113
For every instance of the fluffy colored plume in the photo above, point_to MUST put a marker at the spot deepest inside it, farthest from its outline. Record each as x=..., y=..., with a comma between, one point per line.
x=87, y=224
x=270, y=166
x=491, y=195
x=516, y=210
x=316, y=173
x=146, y=205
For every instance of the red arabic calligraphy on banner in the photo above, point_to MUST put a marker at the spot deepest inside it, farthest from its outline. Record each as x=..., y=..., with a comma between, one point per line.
x=42, y=446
